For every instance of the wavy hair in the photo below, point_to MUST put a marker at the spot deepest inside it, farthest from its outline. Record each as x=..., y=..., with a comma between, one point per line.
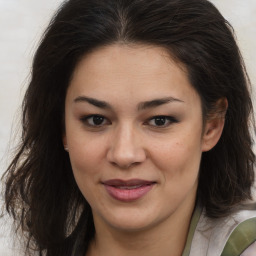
x=41, y=193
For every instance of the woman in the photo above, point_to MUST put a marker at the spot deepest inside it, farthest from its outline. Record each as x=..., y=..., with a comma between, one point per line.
x=135, y=134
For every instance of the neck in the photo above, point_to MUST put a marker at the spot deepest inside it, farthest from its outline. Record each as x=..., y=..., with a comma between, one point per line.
x=166, y=238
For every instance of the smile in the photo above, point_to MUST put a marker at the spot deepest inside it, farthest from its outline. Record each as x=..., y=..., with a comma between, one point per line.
x=127, y=191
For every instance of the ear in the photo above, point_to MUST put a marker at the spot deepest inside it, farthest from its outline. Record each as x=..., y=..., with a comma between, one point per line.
x=64, y=140
x=214, y=125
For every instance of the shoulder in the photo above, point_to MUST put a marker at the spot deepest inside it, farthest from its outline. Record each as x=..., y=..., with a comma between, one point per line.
x=227, y=236
x=243, y=235
x=250, y=251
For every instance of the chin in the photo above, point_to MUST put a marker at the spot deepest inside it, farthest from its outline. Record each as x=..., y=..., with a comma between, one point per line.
x=130, y=226
x=133, y=220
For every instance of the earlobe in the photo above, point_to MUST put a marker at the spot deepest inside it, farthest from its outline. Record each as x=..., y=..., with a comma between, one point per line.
x=214, y=125
x=212, y=134
x=64, y=140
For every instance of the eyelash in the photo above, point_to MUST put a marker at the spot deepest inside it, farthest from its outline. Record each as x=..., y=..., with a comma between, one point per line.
x=85, y=120
x=170, y=119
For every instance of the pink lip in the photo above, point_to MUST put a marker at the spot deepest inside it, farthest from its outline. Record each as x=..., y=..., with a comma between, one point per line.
x=129, y=190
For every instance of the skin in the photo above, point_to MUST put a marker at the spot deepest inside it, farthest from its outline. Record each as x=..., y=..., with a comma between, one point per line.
x=129, y=144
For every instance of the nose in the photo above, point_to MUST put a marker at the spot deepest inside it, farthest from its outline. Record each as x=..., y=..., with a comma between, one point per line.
x=125, y=148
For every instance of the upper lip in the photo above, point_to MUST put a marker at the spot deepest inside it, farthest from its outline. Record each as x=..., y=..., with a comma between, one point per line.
x=132, y=182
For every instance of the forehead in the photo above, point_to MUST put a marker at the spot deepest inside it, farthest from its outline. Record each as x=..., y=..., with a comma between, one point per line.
x=131, y=71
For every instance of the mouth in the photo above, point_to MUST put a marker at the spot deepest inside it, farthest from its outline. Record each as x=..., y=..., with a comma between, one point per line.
x=129, y=190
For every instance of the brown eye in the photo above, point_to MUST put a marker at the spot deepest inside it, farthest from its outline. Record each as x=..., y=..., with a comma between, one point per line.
x=94, y=120
x=159, y=121
x=162, y=121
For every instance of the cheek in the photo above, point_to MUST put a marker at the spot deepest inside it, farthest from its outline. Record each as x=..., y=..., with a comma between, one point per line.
x=179, y=165
x=86, y=157
x=86, y=171
x=84, y=160
x=179, y=156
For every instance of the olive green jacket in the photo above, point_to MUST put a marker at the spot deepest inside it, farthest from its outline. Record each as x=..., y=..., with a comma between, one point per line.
x=234, y=235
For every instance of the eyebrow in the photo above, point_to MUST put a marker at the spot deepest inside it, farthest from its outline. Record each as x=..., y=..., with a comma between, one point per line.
x=94, y=102
x=157, y=102
x=141, y=106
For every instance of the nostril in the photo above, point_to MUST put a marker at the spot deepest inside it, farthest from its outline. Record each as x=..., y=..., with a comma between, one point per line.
x=124, y=166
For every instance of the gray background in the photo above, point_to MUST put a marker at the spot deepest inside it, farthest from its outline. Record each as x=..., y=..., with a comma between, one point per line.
x=21, y=25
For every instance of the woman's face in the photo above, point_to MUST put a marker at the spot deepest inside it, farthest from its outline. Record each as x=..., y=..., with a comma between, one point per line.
x=134, y=133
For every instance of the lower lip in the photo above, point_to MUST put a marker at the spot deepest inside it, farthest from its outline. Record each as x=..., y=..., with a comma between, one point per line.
x=128, y=195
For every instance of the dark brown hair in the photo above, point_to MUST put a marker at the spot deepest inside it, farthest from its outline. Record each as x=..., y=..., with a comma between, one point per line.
x=41, y=193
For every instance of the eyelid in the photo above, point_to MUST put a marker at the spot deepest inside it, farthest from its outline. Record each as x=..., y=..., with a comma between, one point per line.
x=84, y=120
x=170, y=120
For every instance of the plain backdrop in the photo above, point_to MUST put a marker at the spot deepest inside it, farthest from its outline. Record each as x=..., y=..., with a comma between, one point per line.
x=21, y=25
